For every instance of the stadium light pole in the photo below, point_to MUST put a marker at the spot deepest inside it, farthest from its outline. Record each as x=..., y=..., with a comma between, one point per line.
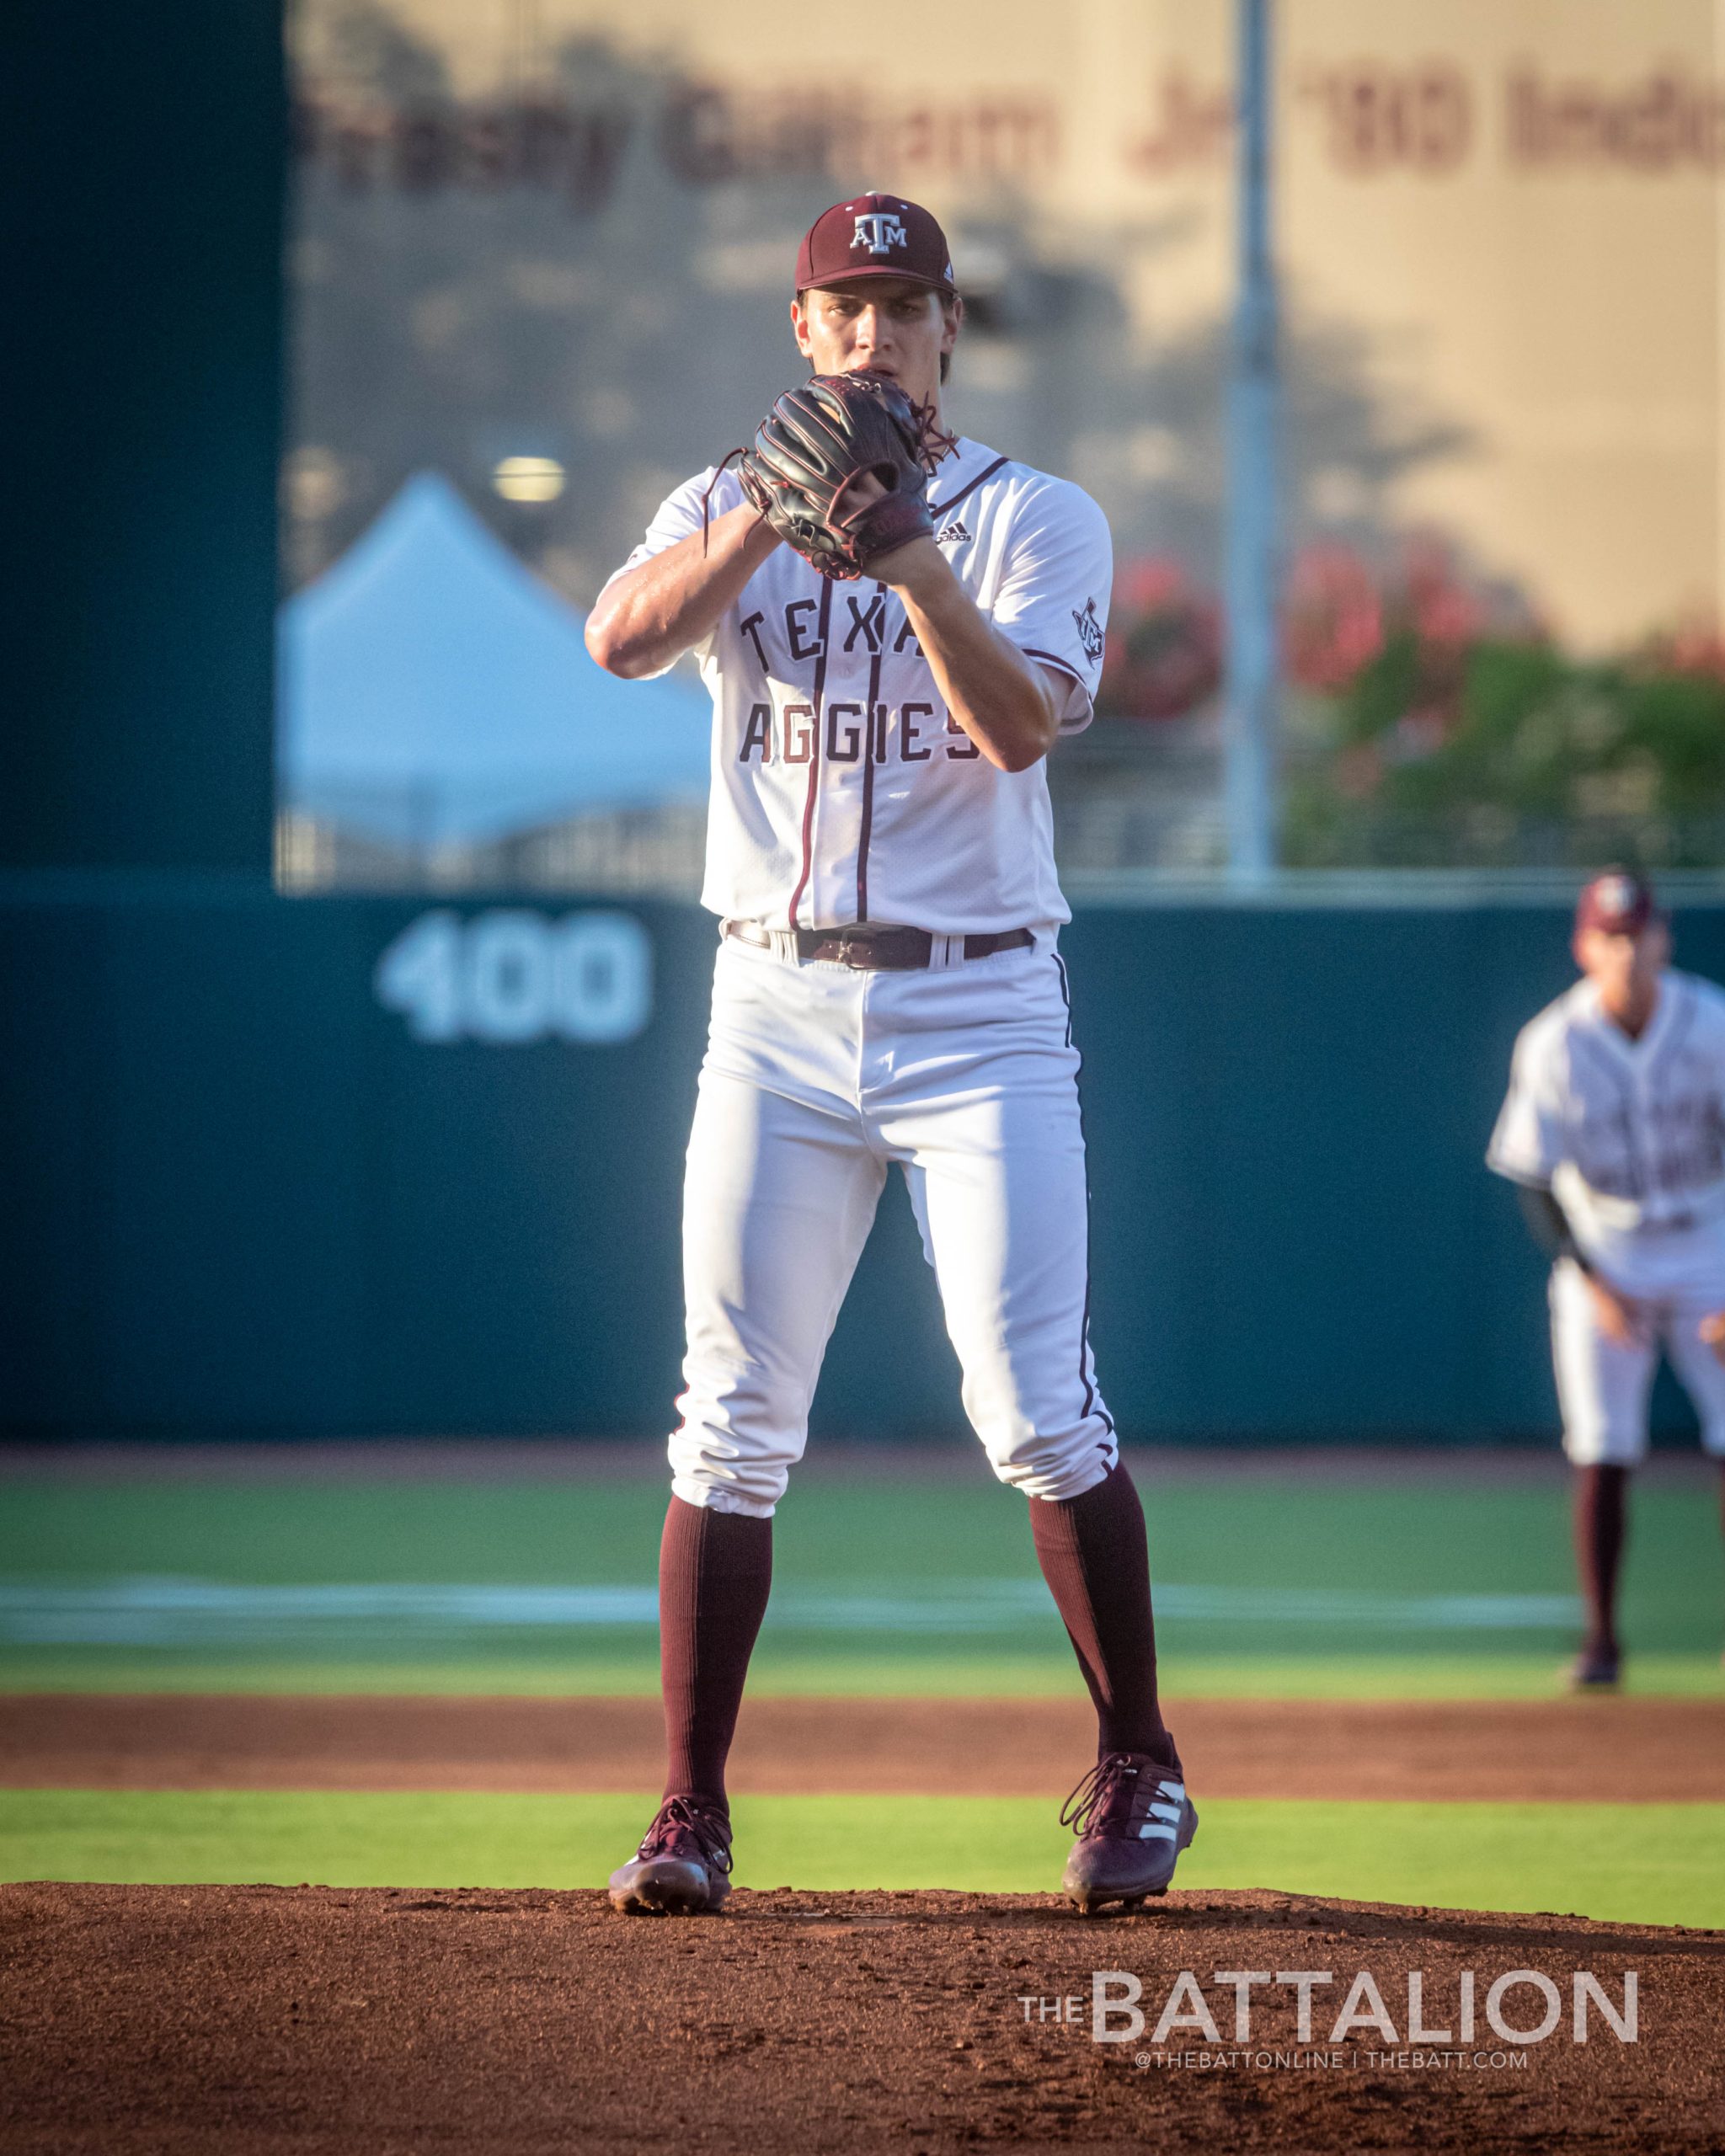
x=1249, y=712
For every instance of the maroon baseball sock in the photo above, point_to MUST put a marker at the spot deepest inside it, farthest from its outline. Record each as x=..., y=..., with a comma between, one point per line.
x=1601, y=1504
x=1094, y=1556
x=715, y=1570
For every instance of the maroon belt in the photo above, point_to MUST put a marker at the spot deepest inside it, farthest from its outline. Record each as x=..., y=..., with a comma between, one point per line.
x=887, y=950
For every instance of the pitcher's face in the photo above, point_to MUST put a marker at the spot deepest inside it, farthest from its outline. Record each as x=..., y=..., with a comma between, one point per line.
x=890, y=324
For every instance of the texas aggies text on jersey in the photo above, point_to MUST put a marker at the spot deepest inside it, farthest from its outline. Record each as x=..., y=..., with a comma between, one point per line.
x=842, y=790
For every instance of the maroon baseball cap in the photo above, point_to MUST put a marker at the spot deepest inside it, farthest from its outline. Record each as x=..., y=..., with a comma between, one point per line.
x=875, y=236
x=1618, y=902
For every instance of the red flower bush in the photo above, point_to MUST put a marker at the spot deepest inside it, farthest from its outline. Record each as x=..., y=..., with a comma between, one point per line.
x=1433, y=600
x=1333, y=618
x=1692, y=649
x=1341, y=618
x=1165, y=644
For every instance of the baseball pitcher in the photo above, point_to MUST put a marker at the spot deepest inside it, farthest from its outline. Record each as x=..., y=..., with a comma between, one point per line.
x=895, y=625
x=1615, y=1130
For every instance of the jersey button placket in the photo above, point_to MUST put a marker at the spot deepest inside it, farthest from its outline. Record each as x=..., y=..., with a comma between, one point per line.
x=865, y=821
x=838, y=806
x=806, y=900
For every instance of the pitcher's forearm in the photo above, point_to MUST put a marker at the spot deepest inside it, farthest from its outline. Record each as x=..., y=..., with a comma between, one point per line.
x=653, y=613
x=997, y=695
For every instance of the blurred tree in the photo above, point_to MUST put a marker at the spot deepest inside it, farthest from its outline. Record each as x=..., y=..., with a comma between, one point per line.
x=1457, y=735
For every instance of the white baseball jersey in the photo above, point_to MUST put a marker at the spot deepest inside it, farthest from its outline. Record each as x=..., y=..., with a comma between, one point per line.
x=842, y=789
x=1628, y=1134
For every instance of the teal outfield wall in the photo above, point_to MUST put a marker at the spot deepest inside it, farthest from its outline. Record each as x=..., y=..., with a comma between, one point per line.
x=244, y=1199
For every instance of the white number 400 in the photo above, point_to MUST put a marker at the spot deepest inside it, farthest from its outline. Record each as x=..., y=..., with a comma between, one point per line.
x=508, y=976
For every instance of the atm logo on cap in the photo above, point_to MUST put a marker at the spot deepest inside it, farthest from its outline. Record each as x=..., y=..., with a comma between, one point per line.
x=1615, y=894
x=879, y=231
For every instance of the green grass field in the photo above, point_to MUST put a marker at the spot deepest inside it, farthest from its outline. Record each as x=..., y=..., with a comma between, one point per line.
x=1269, y=1584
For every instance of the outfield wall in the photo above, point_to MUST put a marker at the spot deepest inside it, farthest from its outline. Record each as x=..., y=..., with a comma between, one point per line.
x=351, y=1166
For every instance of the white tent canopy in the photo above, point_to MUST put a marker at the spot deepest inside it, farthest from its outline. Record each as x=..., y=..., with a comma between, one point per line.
x=432, y=691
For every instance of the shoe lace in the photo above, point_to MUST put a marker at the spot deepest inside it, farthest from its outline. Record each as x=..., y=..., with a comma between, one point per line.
x=709, y=1825
x=1106, y=1785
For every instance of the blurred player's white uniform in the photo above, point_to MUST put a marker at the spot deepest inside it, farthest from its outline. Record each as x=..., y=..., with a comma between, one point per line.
x=1629, y=1137
x=843, y=793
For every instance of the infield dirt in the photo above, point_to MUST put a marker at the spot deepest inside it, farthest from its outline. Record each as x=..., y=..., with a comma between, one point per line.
x=1506, y=1752
x=244, y=2019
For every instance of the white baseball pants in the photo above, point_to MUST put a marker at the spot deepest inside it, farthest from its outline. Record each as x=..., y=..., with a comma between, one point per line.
x=1603, y=1387
x=817, y=1078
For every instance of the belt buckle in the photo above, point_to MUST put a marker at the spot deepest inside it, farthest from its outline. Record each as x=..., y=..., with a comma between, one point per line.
x=844, y=949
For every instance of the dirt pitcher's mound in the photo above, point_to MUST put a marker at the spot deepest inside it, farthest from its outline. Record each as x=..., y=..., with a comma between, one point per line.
x=247, y=2019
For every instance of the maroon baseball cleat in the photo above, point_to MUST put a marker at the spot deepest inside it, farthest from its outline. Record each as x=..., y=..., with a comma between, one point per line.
x=1133, y=1817
x=682, y=1868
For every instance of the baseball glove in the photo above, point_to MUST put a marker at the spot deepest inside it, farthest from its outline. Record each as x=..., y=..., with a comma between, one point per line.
x=813, y=447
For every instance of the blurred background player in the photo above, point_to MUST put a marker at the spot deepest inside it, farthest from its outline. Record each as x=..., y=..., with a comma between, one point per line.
x=1614, y=1128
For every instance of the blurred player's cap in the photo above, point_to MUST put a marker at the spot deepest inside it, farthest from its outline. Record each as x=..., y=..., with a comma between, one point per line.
x=1619, y=902
x=875, y=236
